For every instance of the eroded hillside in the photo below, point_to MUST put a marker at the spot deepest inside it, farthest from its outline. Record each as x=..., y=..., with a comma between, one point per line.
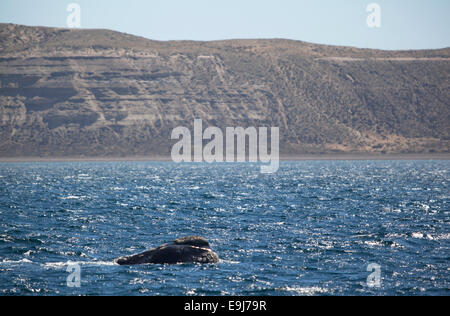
x=104, y=93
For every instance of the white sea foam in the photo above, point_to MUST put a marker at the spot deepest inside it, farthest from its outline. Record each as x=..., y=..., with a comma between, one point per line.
x=308, y=291
x=373, y=243
x=6, y=261
x=73, y=197
x=442, y=237
x=56, y=265
x=228, y=261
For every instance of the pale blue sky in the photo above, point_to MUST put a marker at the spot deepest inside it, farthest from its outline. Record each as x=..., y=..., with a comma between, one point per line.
x=405, y=24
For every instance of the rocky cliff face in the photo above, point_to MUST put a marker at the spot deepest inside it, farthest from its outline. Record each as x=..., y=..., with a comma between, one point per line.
x=103, y=93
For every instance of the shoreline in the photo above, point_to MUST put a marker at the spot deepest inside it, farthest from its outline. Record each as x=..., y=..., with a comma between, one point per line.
x=311, y=157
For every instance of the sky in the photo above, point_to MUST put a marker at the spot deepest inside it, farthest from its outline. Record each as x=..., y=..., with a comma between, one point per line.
x=393, y=25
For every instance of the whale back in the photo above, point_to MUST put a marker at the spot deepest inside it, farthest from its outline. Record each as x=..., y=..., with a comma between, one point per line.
x=193, y=249
x=195, y=241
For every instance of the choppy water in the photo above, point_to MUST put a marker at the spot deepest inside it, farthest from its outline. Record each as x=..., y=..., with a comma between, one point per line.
x=311, y=229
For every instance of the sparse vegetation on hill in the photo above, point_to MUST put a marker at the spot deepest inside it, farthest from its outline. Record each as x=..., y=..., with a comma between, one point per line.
x=104, y=93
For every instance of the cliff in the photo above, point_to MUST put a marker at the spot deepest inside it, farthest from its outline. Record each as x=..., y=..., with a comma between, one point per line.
x=100, y=93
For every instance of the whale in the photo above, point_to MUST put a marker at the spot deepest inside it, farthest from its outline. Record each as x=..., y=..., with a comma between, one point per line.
x=192, y=249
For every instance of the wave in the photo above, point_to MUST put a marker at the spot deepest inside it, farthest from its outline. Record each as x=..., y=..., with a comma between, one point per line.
x=60, y=264
x=81, y=263
x=228, y=261
x=73, y=197
x=6, y=261
x=307, y=291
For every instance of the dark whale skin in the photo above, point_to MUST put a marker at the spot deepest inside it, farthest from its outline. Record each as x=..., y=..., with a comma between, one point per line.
x=183, y=250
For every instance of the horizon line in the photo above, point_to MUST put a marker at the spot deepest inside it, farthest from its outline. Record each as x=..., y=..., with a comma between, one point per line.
x=223, y=40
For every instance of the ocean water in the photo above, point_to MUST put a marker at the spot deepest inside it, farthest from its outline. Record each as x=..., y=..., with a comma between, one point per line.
x=313, y=228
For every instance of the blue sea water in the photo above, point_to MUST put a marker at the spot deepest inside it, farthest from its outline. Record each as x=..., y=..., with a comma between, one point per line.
x=313, y=228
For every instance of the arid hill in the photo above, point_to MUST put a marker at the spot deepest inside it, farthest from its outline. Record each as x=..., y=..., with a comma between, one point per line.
x=101, y=93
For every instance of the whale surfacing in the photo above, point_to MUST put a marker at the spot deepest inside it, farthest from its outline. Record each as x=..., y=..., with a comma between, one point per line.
x=193, y=249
